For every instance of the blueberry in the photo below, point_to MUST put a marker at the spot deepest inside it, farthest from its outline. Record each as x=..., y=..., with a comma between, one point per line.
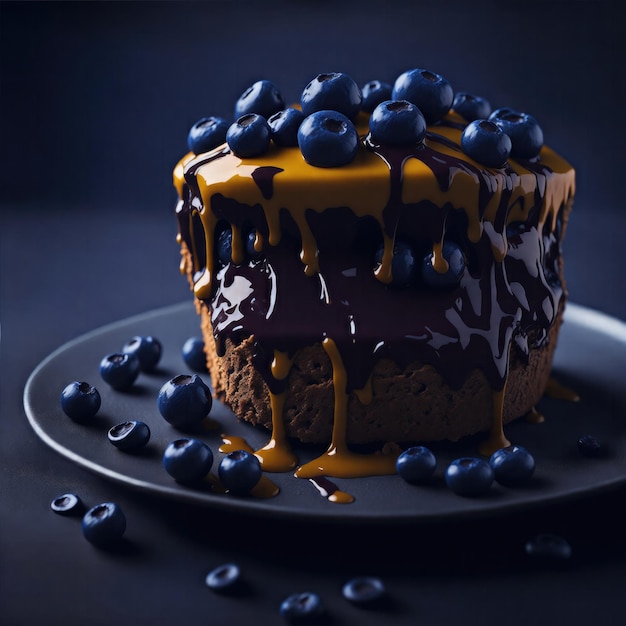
x=193, y=354
x=397, y=122
x=224, y=244
x=284, y=126
x=523, y=129
x=590, y=446
x=403, y=263
x=512, y=465
x=333, y=91
x=130, y=436
x=148, y=350
x=184, y=401
x=469, y=476
x=374, y=93
x=104, y=524
x=249, y=136
x=416, y=464
x=67, y=504
x=455, y=258
x=80, y=401
x=328, y=139
x=224, y=578
x=486, y=143
x=187, y=461
x=207, y=133
x=262, y=98
x=249, y=241
x=430, y=92
x=302, y=608
x=365, y=591
x=471, y=107
x=239, y=471
x=548, y=547
x=120, y=370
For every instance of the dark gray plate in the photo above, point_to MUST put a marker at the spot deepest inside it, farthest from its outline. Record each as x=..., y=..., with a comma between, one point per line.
x=591, y=359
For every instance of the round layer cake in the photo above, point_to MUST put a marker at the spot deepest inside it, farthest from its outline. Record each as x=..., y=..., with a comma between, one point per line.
x=411, y=292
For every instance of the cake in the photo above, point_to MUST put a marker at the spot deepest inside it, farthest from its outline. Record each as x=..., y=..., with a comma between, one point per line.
x=406, y=286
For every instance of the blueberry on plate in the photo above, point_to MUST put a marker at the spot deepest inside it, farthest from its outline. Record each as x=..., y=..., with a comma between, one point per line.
x=403, y=263
x=187, y=460
x=207, y=133
x=302, y=608
x=416, y=464
x=334, y=91
x=512, y=466
x=104, y=524
x=486, y=142
x=239, y=472
x=193, y=354
x=249, y=136
x=430, y=92
x=224, y=578
x=184, y=401
x=68, y=504
x=148, y=350
x=284, y=127
x=523, y=129
x=328, y=139
x=120, y=370
x=456, y=261
x=397, y=123
x=364, y=591
x=591, y=447
x=130, y=436
x=374, y=92
x=262, y=98
x=471, y=107
x=80, y=401
x=469, y=476
x=548, y=547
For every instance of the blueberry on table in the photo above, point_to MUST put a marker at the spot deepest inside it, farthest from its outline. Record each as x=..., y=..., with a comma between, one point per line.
x=416, y=464
x=328, y=139
x=454, y=257
x=130, y=436
x=469, y=476
x=470, y=106
x=148, y=350
x=523, y=129
x=80, y=401
x=184, y=401
x=397, y=123
x=120, y=370
x=512, y=466
x=67, y=504
x=284, y=127
x=430, y=92
x=193, y=354
x=187, y=460
x=262, y=98
x=224, y=578
x=486, y=142
x=334, y=91
x=302, y=608
x=249, y=136
x=239, y=472
x=364, y=591
x=548, y=547
x=374, y=92
x=207, y=133
x=104, y=524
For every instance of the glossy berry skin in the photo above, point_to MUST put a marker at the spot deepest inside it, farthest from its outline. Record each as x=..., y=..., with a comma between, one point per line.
x=68, y=504
x=187, y=460
x=284, y=127
x=397, y=123
x=364, y=591
x=470, y=106
x=193, y=354
x=249, y=136
x=104, y=524
x=148, y=350
x=249, y=240
x=262, y=98
x=120, y=370
x=416, y=465
x=455, y=258
x=239, y=471
x=129, y=436
x=334, y=91
x=469, y=476
x=486, y=143
x=523, y=129
x=374, y=93
x=403, y=263
x=184, y=401
x=548, y=547
x=512, y=466
x=207, y=133
x=224, y=244
x=430, y=92
x=80, y=401
x=224, y=578
x=328, y=139
x=302, y=608
x=591, y=447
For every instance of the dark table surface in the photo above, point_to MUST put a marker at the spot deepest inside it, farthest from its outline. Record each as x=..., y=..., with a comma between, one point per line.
x=96, y=100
